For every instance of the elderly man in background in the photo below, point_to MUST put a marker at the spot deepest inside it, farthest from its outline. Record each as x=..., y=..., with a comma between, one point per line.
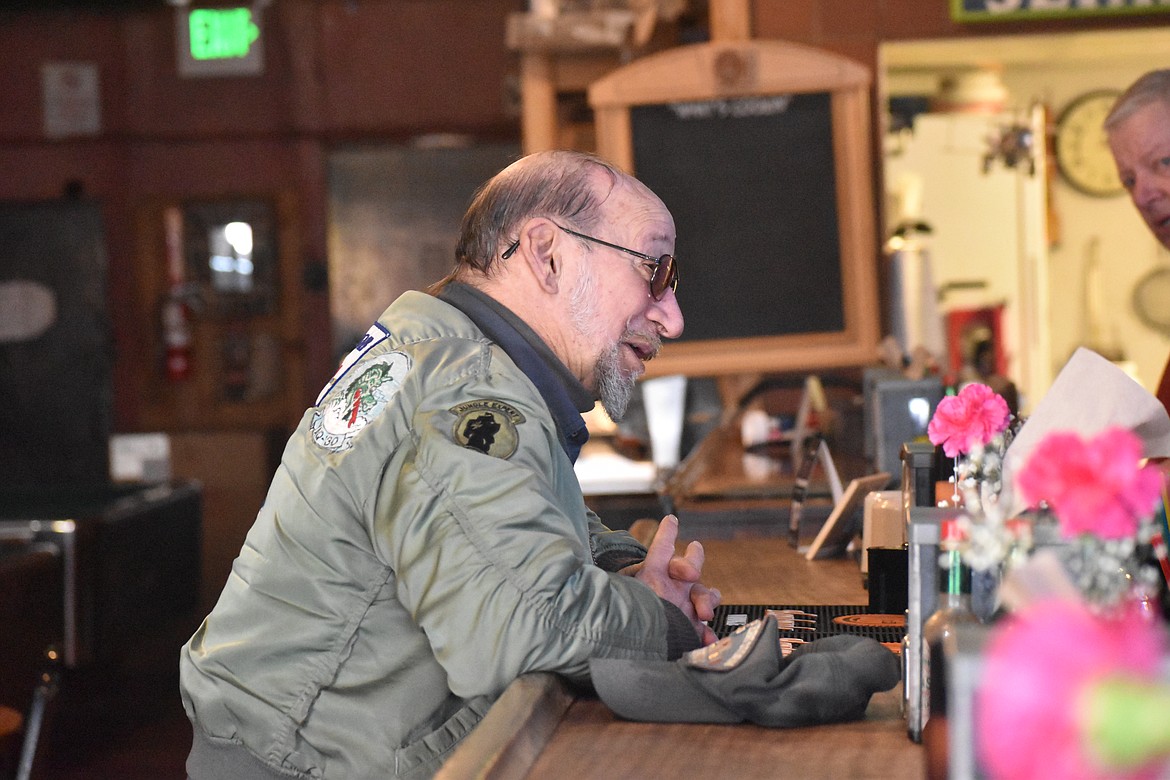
x=1138, y=128
x=425, y=541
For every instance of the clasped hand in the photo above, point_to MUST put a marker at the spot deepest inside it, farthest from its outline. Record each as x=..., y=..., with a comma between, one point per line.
x=676, y=577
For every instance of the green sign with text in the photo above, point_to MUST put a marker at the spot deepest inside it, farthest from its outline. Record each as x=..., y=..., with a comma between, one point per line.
x=1018, y=10
x=222, y=33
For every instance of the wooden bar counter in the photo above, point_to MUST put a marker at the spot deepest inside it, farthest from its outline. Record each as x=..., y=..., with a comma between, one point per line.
x=540, y=729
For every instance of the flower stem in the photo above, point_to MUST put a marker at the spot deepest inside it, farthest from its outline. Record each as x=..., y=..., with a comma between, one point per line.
x=955, y=489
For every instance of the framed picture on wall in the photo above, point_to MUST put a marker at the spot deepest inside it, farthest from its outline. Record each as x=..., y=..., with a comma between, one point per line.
x=222, y=311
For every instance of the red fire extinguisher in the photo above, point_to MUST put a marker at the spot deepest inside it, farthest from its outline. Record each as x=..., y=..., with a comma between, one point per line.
x=177, y=338
x=176, y=314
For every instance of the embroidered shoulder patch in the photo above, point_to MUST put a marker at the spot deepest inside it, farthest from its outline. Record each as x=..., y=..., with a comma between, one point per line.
x=372, y=338
x=349, y=407
x=488, y=426
x=728, y=652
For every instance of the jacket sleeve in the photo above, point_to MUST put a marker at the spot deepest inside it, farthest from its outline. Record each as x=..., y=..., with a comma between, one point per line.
x=492, y=554
x=612, y=550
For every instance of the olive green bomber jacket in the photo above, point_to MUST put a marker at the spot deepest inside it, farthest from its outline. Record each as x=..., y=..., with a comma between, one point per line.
x=424, y=542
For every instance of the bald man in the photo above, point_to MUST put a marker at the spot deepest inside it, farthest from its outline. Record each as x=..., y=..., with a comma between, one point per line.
x=425, y=541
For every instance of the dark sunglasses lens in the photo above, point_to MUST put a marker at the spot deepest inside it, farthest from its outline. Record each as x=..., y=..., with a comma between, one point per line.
x=665, y=275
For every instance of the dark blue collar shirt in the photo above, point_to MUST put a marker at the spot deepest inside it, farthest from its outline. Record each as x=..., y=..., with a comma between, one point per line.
x=566, y=397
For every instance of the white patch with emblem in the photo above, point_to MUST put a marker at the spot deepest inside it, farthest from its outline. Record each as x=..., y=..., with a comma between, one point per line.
x=372, y=338
x=349, y=408
x=728, y=652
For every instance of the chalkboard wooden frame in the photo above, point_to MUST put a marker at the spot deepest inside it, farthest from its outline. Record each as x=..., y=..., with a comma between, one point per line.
x=744, y=70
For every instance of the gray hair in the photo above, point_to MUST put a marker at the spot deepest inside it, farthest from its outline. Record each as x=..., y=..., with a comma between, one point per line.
x=560, y=185
x=1153, y=87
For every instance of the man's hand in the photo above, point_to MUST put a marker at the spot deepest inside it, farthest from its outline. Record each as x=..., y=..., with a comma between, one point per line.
x=676, y=578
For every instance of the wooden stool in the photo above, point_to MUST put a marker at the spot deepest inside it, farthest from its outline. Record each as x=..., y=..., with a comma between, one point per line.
x=11, y=734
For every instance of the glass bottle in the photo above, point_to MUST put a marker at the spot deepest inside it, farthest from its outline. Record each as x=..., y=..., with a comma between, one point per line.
x=954, y=609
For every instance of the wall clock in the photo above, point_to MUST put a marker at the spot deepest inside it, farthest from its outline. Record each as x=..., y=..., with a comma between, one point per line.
x=1082, y=152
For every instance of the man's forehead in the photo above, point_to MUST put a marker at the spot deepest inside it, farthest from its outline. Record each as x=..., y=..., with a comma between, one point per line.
x=640, y=207
x=1148, y=127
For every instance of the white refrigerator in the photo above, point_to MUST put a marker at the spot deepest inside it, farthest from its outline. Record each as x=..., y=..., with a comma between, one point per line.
x=978, y=182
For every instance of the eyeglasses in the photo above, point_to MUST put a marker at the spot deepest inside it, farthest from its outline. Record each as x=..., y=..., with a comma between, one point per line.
x=664, y=275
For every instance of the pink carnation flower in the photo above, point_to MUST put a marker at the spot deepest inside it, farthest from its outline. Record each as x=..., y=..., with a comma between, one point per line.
x=1029, y=721
x=973, y=417
x=1093, y=486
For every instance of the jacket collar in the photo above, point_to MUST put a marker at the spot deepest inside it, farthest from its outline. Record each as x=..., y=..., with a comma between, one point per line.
x=564, y=394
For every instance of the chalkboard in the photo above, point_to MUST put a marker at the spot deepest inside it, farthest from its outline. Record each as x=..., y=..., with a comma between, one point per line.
x=761, y=150
x=752, y=187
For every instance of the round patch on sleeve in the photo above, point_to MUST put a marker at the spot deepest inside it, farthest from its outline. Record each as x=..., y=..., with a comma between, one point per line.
x=728, y=652
x=488, y=426
x=349, y=408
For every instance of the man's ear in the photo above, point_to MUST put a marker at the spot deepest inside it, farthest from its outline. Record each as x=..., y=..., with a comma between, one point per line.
x=538, y=243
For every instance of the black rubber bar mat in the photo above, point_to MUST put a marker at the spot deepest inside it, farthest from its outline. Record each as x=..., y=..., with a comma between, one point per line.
x=811, y=622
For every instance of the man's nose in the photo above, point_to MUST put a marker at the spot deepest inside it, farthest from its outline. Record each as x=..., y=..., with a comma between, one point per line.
x=667, y=314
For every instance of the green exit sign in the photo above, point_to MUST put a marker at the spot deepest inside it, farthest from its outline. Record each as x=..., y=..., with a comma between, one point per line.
x=222, y=33
x=219, y=42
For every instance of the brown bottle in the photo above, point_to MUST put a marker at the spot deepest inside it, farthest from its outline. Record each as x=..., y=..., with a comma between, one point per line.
x=954, y=609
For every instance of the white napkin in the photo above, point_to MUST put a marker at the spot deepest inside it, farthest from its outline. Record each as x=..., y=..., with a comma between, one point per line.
x=1089, y=395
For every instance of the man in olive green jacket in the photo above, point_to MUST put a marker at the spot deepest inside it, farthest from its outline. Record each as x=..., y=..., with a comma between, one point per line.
x=425, y=540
